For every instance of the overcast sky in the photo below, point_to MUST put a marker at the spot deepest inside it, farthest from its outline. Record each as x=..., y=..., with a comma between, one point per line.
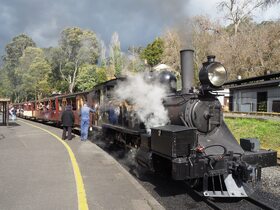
x=137, y=22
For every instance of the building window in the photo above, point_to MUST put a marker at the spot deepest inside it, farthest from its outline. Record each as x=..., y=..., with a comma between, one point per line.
x=262, y=102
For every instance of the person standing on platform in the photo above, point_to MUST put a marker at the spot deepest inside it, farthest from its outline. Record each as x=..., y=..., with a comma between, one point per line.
x=67, y=119
x=12, y=112
x=84, y=114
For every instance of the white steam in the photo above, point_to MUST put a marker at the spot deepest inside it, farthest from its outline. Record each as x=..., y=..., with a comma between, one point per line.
x=146, y=99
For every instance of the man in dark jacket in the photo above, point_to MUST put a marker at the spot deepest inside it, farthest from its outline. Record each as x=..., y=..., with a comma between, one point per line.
x=67, y=119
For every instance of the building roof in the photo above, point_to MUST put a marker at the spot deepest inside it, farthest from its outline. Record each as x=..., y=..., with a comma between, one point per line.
x=255, y=82
x=162, y=66
x=4, y=99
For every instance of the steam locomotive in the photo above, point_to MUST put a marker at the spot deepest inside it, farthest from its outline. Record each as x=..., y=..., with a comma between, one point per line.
x=195, y=145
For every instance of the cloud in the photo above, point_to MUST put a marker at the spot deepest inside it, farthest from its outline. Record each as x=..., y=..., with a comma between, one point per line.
x=138, y=22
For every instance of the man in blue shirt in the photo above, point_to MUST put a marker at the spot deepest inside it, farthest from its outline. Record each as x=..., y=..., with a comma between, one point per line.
x=84, y=114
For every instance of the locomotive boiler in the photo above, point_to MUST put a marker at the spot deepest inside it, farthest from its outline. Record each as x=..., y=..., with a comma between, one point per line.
x=196, y=145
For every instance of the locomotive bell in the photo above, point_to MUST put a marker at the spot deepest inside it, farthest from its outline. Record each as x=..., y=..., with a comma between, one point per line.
x=212, y=74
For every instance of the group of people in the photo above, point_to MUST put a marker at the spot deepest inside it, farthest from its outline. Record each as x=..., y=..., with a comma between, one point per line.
x=67, y=119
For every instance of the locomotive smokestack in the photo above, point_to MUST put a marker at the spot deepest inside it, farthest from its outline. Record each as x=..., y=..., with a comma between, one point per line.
x=187, y=70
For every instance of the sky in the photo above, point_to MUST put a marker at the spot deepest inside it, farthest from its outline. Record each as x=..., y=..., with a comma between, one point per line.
x=137, y=22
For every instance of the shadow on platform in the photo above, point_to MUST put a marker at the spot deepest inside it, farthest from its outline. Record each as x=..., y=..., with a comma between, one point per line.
x=11, y=124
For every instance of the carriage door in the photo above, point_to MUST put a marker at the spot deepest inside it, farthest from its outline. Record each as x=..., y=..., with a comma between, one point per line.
x=79, y=102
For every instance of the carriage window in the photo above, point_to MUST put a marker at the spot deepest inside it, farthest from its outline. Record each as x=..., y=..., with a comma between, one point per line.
x=72, y=101
x=109, y=91
x=47, y=106
x=39, y=106
x=60, y=104
x=64, y=102
x=32, y=106
x=96, y=97
x=53, y=105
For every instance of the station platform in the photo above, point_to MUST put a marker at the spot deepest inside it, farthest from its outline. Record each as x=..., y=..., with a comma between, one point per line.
x=38, y=170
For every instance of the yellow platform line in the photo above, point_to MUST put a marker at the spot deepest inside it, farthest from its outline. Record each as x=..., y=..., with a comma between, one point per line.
x=81, y=193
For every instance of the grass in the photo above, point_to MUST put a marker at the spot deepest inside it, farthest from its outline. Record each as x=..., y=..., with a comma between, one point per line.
x=267, y=131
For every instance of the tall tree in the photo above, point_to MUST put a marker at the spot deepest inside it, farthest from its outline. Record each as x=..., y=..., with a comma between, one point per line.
x=79, y=47
x=116, y=59
x=33, y=70
x=103, y=59
x=13, y=51
x=172, y=47
x=86, y=79
x=5, y=84
x=57, y=59
x=153, y=52
x=133, y=61
x=238, y=11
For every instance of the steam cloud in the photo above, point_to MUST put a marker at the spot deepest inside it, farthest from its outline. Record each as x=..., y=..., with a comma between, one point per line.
x=146, y=99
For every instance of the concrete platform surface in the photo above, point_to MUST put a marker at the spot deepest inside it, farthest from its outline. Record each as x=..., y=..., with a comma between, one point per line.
x=36, y=173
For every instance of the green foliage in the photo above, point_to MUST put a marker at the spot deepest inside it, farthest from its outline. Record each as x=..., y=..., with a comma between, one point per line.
x=77, y=48
x=89, y=76
x=33, y=72
x=86, y=79
x=153, y=52
x=56, y=58
x=5, y=84
x=13, y=51
x=116, y=59
x=101, y=75
x=15, y=48
x=265, y=130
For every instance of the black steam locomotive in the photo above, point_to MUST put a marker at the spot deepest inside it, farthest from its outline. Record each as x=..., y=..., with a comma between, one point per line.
x=196, y=145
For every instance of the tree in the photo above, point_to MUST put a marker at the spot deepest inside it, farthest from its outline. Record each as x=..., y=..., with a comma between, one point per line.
x=13, y=51
x=101, y=75
x=238, y=11
x=116, y=59
x=34, y=71
x=79, y=47
x=132, y=62
x=5, y=84
x=153, y=52
x=103, y=60
x=86, y=79
x=205, y=35
x=171, y=49
x=57, y=59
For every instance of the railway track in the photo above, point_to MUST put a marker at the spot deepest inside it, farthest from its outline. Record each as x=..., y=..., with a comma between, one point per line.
x=217, y=205
x=259, y=203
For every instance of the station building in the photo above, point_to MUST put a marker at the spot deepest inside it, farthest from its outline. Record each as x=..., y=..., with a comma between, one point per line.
x=255, y=94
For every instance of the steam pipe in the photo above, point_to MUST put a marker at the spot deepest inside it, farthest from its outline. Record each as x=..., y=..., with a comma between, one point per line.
x=187, y=72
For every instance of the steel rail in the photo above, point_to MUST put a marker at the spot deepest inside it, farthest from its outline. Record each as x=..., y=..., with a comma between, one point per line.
x=206, y=200
x=259, y=203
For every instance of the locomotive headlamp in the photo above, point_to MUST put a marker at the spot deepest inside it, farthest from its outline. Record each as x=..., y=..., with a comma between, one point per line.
x=217, y=74
x=213, y=74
